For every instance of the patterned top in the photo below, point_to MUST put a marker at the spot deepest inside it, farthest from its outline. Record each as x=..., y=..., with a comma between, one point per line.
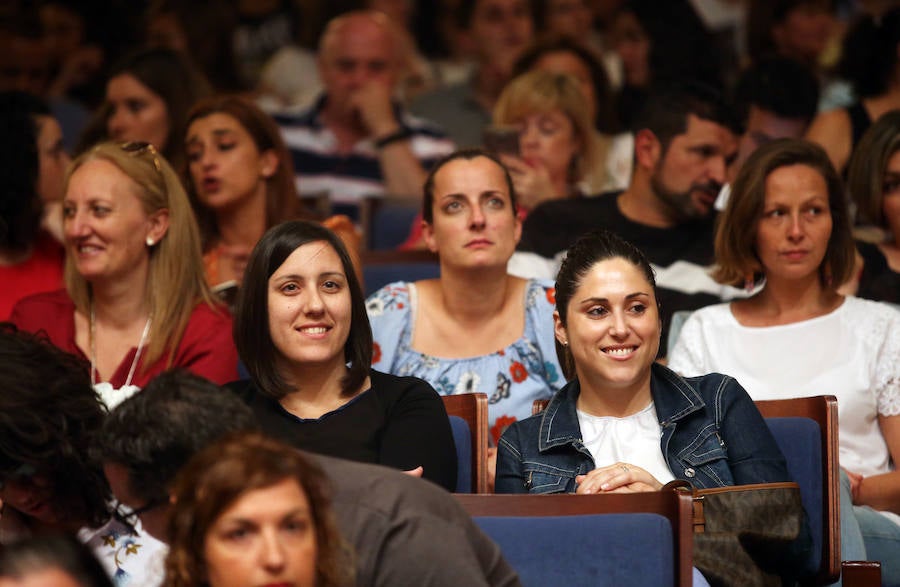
x=512, y=377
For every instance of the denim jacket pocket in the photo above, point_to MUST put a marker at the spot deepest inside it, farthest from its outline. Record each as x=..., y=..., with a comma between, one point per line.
x=543, y=478
x=705, y=460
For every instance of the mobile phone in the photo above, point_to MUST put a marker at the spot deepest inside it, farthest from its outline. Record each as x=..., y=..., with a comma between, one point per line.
x=502, y=140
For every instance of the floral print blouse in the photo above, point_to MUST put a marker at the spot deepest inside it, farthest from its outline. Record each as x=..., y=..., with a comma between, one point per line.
x=512, y=377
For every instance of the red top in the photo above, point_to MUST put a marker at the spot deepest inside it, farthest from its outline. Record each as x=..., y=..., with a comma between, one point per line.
x=206, y=348
x=42, y=271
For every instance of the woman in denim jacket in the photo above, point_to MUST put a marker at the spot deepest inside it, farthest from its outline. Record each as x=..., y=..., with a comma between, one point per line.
x=625, y=422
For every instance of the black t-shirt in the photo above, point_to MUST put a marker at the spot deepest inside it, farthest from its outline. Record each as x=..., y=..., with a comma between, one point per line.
x=399, y=422
x=878, y=281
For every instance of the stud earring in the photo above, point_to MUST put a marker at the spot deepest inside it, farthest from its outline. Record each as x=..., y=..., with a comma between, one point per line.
x=749, y=282
x=150, y=242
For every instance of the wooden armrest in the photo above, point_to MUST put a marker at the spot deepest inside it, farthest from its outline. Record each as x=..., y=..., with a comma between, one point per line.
x=860, y=573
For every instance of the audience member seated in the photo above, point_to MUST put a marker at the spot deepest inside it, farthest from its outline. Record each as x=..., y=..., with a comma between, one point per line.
x=135, y=301
x=681, y=153
x=660, y=43
x=250, y=511
x=51, y=560
x=786, y=224
x=799, y=30
x=871, y=61
x=241, y=181
x=27, y=52
x=355, y=141
x=774, y=98
x=873, y=183
x=148, y=95
x=474, y=329
x=50, y=417
x=499, y=31
x=404, y=531
x=31, y=167
x=301, y=329
x=203, y=32
x=610, y=167
x=554, y=141
x=556, y=137
x=624, y=423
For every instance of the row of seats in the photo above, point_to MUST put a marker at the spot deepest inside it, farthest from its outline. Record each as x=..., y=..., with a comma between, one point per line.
x=528, y=527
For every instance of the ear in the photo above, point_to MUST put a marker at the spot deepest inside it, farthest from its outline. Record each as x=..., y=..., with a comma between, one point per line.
x=158, y=223
x=428, y=237
x=268, y=163
x=647, y=149
x=559, y=330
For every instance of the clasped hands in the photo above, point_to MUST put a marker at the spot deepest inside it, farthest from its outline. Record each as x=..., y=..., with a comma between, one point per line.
x=617, y=478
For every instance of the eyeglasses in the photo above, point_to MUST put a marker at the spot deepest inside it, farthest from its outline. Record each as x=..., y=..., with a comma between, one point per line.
x=133, y=515
x=22, y=472
x=138, y=148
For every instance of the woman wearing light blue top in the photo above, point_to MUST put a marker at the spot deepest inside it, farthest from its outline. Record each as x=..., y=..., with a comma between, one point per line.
x=475, y=329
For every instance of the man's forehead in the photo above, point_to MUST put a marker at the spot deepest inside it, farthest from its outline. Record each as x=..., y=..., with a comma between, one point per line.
x=360, y=33
x=700, y=131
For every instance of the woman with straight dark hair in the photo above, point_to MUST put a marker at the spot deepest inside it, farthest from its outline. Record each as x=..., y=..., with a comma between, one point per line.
x=786, y=232
x=148, y=95
x=240, y=178
x=302, y=331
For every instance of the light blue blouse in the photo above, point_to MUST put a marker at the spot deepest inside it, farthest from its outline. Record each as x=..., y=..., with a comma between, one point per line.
x=512, y=377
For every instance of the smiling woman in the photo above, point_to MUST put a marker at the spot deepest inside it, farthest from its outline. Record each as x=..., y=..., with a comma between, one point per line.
x=624, y=423
x=135, y=302
x=301, y=328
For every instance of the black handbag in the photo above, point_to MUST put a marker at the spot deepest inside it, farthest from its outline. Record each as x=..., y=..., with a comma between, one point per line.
x=741, y=532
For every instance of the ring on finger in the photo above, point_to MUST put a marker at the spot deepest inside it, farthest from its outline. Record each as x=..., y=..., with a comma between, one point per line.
x=624, y=468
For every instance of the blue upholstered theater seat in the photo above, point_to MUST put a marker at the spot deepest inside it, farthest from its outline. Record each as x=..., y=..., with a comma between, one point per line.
x=462, y=438
x=587, y=550
x=800, y=441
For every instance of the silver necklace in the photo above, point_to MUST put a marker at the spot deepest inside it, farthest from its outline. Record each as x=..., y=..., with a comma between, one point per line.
x=137, y=353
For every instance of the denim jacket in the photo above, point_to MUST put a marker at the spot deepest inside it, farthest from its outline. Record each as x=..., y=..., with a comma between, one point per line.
x=712, y=436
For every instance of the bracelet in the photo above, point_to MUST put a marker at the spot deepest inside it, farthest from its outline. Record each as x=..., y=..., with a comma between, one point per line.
x=397, y=135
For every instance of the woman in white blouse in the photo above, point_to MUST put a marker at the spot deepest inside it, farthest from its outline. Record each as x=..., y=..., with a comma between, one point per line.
x=786, y=227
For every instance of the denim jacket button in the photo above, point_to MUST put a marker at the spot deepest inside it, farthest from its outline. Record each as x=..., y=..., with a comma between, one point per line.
x=689, y=472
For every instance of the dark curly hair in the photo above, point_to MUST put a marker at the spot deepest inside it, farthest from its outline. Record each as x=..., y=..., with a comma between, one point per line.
x=49, y=418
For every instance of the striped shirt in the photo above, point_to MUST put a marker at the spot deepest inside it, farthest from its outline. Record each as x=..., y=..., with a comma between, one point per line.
x=349, y=177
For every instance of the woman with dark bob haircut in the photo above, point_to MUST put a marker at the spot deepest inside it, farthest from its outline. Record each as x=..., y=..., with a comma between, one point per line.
x=232, y=497
x=302, y=331
x=873, y=183
x=786, y=232
x=50, y=480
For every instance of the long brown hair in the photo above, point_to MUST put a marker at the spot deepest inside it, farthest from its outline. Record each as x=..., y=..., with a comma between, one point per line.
x=282, y=201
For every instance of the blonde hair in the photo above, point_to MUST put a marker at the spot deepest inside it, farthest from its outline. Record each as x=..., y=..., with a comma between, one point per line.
x=175, y=283
x=543, y=91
